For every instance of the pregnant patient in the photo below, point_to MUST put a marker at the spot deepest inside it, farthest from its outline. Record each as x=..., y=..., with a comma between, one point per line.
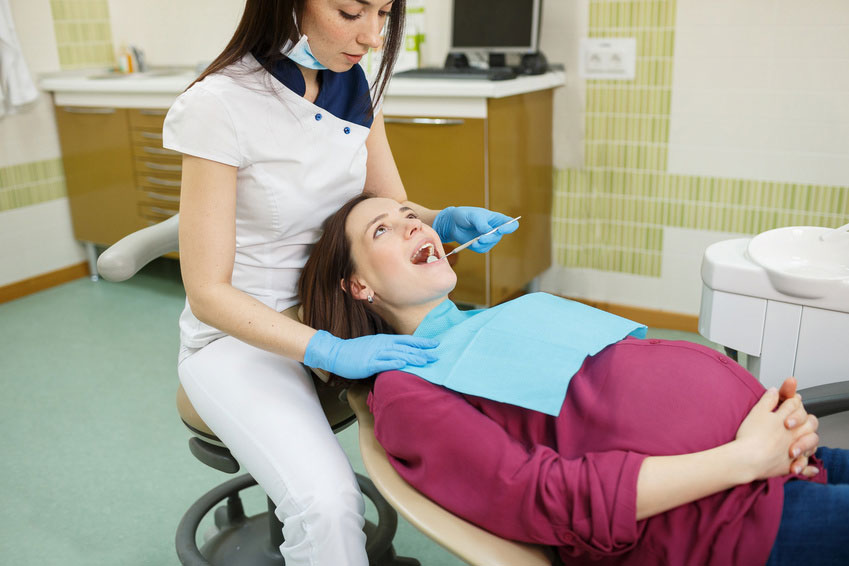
x=659, y=452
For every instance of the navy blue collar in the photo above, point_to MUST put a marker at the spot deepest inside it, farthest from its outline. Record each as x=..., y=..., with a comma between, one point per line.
x=345, y=95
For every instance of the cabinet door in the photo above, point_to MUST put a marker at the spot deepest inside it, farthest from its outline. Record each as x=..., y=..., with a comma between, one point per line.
x=442, y=162
x=98, y=166
x=520, y=182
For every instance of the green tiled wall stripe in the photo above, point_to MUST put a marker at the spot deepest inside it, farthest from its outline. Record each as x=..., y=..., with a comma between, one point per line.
x=610, y=214
x=83, y=33
x=31, y=183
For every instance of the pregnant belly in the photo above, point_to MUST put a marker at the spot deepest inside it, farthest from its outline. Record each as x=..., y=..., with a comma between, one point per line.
x=656, y=397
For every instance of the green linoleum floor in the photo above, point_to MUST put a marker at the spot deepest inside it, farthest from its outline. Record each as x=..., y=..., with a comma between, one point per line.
x=95, y=469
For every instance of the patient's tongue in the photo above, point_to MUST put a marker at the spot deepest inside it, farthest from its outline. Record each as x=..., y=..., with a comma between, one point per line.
x=421, y=256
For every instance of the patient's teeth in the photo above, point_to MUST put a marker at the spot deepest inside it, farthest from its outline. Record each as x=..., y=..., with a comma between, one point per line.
x=432, y=258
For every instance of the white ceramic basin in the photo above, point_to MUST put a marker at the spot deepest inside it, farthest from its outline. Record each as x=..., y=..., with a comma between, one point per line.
x=799, y=262
x=112, y=75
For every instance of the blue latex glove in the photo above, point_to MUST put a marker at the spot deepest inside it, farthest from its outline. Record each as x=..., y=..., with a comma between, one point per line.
x=462, y=223
x=358, y=358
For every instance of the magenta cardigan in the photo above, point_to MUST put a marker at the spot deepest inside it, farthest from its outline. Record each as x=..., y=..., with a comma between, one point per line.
x=570, y=481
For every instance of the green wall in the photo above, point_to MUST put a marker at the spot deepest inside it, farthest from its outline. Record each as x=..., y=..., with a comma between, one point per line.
x=83, y=33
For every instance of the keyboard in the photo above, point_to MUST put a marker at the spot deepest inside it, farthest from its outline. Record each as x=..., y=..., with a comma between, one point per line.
x=473, y=73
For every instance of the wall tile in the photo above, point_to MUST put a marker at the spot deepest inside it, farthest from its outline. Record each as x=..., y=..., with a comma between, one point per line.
x=83, y=33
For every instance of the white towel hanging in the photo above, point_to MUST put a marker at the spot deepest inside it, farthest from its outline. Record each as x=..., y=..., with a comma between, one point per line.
x=16, y=86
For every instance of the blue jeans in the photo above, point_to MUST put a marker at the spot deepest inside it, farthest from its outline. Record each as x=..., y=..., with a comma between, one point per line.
x=815, y=522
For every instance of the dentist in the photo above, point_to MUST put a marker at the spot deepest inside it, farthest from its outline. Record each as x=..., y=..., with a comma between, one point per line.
x=276, y=134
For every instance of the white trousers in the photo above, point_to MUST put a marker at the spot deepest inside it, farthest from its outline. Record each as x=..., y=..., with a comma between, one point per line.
x=265, y=409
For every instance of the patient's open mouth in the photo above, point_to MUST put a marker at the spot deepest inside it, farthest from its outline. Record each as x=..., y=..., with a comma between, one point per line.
x=425, y=254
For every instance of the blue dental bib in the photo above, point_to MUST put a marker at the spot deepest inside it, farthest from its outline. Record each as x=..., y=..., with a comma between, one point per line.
x=523, y=352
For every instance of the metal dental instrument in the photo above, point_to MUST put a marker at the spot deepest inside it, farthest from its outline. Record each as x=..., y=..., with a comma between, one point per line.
x=473, y=240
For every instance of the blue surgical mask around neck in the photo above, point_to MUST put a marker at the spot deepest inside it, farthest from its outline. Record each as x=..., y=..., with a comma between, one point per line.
x=301, y=54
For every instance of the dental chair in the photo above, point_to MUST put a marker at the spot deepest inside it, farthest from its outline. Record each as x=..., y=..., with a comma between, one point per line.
x=249, y=541
x=469, y=542
x=238, y=539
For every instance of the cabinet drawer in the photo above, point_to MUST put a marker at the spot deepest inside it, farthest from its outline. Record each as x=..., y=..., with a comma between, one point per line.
x=158, y=182
x=151, y=213
x=163, y=169
x=153, y=197
x=149, y=138
x=147, y=118
x=163, y=155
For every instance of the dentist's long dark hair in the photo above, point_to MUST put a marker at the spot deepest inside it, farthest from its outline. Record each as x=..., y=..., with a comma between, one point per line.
x=324, y=287
x=266, y=25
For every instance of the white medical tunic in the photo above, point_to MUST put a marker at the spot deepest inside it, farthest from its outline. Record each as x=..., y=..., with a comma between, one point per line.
x=298, y=162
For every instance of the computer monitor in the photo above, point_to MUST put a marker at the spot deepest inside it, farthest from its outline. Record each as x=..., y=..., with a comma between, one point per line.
x=496, y=26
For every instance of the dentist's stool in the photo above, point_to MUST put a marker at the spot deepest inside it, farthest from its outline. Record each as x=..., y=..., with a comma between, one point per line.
x=240, y=540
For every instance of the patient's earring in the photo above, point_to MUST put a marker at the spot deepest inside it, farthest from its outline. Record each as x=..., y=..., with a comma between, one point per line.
x=370, y=299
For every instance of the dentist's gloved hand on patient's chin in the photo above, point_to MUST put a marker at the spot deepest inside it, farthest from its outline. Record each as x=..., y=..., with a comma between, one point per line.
x=358, y=358
x=462, y=223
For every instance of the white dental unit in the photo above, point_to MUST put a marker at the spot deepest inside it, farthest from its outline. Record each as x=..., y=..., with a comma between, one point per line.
x=782, y=298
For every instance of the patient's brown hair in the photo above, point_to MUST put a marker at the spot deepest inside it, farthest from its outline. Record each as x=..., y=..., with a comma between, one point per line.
x=324, y=286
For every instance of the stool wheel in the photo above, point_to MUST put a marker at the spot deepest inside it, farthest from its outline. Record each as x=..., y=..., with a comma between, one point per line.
x=247, y=541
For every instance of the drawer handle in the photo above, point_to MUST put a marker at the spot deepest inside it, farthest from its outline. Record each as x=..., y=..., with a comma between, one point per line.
x=163, y=182
x=425, y=121
x=151, y=135
x=164, y=211
x=153, y=112
x=161, y=167
x=159, y=151
x=159, y=196
x=80, y=110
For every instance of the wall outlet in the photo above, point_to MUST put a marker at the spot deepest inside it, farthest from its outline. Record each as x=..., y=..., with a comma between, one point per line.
x=614, y=58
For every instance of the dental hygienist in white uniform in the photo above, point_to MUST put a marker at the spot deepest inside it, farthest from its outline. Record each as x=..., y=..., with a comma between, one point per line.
x=277, y=134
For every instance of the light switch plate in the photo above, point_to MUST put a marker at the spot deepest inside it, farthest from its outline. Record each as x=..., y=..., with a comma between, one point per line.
x=613, y=58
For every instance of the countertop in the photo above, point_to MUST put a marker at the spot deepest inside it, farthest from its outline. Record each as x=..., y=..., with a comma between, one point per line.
x=170, y=81
x=159, y=87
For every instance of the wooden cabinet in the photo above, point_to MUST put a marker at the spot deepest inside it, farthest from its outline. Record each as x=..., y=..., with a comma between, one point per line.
x=503, y=162
x=97, y=156
x=119, y=177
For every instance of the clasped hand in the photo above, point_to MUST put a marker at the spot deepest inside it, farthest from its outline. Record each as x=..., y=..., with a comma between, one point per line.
x=779, y=441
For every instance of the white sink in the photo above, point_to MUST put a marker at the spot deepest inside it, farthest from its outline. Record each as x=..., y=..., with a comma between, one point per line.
x=800, y=263
x=141, y=75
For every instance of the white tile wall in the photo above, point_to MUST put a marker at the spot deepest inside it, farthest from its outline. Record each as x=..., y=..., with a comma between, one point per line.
x=37, y=239
x=175, y=33
x=761, y=90
x=29, y=135
x=677, y=290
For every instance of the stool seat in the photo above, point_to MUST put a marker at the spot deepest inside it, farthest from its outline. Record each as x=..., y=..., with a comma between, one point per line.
x=191, y=418
x=336, y=410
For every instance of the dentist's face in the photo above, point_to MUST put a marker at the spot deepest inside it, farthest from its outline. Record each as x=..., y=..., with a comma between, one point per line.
x=340, y=32
x=390, y=246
